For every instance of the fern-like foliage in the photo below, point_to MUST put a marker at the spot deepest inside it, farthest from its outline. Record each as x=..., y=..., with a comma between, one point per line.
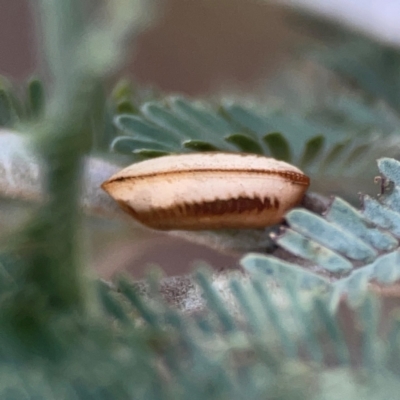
x=261, y=338
x=350, y=248
x=262, y=343
x=314, y=143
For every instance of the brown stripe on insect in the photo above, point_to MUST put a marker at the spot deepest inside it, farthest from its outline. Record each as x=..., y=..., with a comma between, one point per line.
x=293, y=177
x=215, y=210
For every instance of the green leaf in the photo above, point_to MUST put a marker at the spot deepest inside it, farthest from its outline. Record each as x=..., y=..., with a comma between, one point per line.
x=275, y=317
x=36, y=98
x=140, y=129
x=215, y=302
x=112, y=305
x=129, y=145
x=149, y=153
x=7, y=114
x=169, y=121
x=248, y=119
x=204, y=118
x=126, y=107
x=122, y=90
x=334, y=154
x=278, y=146
x=334, y=331
x=356, y=153
x=199, y=145
x=142, y=307
x=312, y=150
x=245, y=143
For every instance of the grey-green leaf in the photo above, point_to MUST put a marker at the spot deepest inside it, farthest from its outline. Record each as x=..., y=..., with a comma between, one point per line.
x=390, y=168
x=313, y=251
x=129, y=145
x=347, y=217
x=330, y=235
x=206, y=119
x=381, y=215
x=141, y=129
x=282, y=271
x=248, y=119
x=386, y=269
x=169, y=121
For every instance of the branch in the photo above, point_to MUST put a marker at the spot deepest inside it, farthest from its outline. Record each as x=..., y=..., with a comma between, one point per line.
x=22, y=176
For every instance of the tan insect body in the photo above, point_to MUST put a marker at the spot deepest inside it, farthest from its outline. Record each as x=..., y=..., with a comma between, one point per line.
x=208, y=191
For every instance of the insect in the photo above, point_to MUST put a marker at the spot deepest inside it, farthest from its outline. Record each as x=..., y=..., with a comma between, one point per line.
x=213, y=190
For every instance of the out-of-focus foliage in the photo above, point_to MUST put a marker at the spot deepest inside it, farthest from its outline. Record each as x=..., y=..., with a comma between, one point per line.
x=262, y=343
x=13, y=110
